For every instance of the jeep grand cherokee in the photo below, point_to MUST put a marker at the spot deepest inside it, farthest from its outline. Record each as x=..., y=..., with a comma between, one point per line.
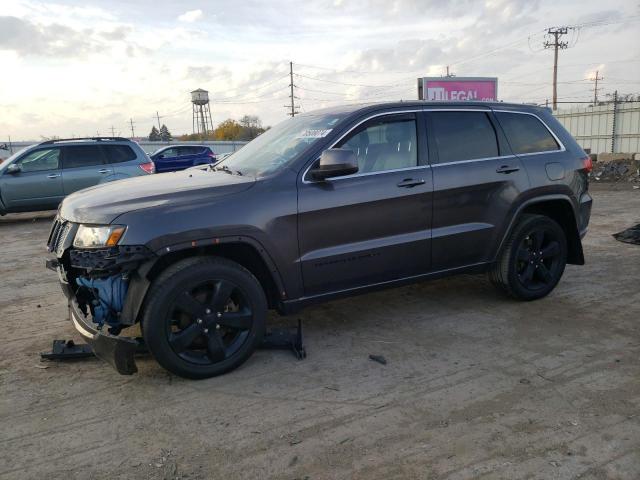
x=326, y=204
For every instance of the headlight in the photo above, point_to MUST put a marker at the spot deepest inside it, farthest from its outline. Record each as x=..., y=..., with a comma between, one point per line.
x=95, y=237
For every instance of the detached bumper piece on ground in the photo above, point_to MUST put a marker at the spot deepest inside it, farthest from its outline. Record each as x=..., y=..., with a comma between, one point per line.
x=120, y=351
x=630, y=235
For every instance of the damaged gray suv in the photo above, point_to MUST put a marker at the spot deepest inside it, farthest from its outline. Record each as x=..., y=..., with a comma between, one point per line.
x=324, y=205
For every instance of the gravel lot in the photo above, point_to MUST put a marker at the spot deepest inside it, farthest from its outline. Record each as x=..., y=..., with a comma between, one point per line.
x=476, y=385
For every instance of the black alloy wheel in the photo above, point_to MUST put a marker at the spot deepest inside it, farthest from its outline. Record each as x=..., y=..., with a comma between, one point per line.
x=204, y=317
x=209, y=322
x=538, y=259
x=532, y=260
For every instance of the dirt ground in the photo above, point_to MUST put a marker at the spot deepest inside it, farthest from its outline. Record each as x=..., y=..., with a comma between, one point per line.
x=476, y=385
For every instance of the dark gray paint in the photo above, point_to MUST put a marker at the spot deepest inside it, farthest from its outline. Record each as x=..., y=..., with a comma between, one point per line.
x=322, y=239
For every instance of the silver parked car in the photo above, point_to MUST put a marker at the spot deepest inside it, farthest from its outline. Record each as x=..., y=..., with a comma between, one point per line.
x=40, y=176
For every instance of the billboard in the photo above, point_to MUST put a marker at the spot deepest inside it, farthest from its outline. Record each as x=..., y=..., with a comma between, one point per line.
x=458, y=88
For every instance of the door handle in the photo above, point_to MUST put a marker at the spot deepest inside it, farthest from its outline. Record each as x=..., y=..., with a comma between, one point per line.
x=507, y=169
x=53, y=175
x=410, y=182
x=104, y=170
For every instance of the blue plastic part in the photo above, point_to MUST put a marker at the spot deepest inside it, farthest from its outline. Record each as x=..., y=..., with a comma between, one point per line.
x=109, y=295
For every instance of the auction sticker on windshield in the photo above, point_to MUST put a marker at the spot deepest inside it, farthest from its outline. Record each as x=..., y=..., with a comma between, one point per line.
x=313, y=133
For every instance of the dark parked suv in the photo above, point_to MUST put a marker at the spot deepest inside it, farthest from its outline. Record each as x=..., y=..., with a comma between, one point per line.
x=327, y=204
x=179, y=157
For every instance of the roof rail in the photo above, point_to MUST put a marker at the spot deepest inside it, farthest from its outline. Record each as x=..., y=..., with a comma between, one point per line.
x=98, y=139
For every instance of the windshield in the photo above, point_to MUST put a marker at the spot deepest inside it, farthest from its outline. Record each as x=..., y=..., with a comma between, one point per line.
x=277, y=147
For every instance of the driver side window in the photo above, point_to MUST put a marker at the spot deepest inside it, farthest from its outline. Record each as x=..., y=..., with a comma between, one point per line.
x=170, y=153
x=384, y=144
x=40, y=160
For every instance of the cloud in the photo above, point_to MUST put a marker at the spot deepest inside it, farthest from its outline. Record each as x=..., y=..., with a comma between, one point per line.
x=118, y=33
x=200, y=74
x=190, y=16
x=27, y=38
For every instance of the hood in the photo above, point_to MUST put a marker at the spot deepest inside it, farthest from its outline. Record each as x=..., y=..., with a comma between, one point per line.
x=103, y=203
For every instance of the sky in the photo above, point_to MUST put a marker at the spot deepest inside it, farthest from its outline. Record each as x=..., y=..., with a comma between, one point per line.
x=78, y=68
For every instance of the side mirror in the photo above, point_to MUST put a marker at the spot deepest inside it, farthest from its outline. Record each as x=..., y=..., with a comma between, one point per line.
x=13, y=169
x=160, y=156
x=335, y=162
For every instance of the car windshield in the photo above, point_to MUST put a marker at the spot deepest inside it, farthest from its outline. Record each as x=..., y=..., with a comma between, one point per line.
x=277, y=147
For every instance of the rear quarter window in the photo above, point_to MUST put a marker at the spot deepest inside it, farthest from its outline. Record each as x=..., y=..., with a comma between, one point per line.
x=526, y=133
x=119, y=153
x=191, y=150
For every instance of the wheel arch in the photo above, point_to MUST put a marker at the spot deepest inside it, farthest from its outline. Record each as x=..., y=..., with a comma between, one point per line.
x=243, y=251
x=560, y=209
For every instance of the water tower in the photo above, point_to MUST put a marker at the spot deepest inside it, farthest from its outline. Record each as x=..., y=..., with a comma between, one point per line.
x=202, y=122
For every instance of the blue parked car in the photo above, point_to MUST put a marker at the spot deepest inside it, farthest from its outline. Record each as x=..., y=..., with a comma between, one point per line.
x=179, y=157
x=41, y=175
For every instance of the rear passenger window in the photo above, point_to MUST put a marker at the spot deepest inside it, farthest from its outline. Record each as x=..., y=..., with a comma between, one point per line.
x=119, y=153
x=526, y=134
x=463, y=136
x=82, y=156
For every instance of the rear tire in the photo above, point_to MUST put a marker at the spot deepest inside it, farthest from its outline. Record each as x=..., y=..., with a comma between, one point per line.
x=532, y=260
x=204, y=316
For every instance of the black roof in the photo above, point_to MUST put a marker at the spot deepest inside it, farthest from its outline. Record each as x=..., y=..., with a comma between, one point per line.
x=365, y=107
x=81, y=139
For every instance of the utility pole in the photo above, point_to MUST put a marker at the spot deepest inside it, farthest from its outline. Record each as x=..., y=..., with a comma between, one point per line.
x=291, y=95
x=614, y=121
x=113, y=131
x=556, y=32
x=133, y=133
x=158, y=117
x=595, y=88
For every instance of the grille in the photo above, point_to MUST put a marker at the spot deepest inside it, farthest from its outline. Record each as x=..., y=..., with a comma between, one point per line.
x=59, y=233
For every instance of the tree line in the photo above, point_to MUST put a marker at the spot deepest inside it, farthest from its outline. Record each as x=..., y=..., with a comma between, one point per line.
x=245, y=129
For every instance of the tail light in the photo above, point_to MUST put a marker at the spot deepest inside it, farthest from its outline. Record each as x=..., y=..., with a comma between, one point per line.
x=587, y=163
x=211, y=155
x=148, y=167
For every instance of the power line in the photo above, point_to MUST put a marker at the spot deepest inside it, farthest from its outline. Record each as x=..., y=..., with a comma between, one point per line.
x=603, y=22
x=344, y=83
x=357, y=72
x=491, y=52
x=244, y=95
x=253, y=101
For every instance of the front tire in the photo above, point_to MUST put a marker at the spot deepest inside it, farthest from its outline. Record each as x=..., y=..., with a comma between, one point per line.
x=204, y=316
x=532, y=260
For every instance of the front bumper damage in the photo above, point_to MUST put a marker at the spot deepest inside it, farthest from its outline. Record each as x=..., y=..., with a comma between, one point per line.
x=74, y=268
x=118, y=351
